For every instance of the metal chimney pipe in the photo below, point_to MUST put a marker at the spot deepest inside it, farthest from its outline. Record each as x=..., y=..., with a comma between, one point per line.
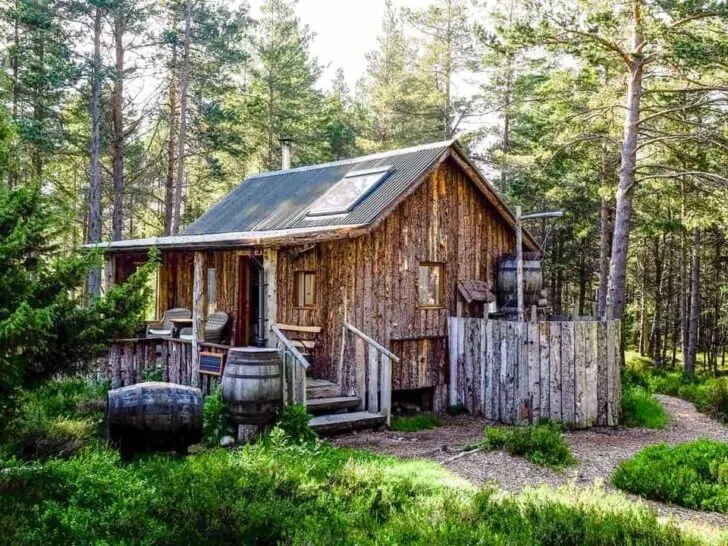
x=285, y=152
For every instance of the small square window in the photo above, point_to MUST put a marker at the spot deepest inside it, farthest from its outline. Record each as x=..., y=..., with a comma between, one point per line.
x=431, y=284
x=305, y=289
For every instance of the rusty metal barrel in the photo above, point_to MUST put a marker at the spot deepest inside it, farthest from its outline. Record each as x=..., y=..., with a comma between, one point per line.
x=532, y=280
x=154, y=415
x=252, y=385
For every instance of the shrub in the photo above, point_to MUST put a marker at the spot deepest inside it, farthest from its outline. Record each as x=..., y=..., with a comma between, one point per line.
x=293, y=423
x=693, y=474
x=57, y=419
x=412, y=423
x=542, y=444
x=641, y=409
x=152, y=374
x=215, y=418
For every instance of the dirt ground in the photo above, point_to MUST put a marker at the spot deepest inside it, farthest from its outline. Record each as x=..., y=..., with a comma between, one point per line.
x=598, y=451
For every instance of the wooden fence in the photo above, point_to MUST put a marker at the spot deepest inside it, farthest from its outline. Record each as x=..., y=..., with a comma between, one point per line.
x=520, y=372
x=128, y=359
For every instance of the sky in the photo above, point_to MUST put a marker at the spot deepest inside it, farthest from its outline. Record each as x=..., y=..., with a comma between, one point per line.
x=345, y=31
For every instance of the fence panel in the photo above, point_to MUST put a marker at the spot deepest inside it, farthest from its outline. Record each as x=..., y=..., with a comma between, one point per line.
x=521, y=372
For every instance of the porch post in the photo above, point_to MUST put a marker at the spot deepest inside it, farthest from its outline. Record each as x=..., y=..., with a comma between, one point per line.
x=270, y=272
x=198, y=315
x=109, y=271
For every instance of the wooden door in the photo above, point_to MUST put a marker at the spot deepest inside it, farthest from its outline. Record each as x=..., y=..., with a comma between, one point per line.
x=241, y=327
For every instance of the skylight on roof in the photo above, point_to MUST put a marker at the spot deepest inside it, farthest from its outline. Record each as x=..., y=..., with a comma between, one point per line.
x=348, y=192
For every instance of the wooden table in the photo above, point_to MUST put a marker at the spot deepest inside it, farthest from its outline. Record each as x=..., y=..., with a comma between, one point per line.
x=178, y=324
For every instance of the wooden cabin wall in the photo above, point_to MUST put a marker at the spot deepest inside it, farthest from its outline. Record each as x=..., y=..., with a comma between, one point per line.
x=372, y=280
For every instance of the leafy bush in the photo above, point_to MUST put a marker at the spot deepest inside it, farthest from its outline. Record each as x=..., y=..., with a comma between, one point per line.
x=57, y=419
x=266, y=495
x=215, y=418
x=152, y=374
x=693, y=474
x=641, y=409
x=709, y=394
x=293, y=422
x=541, y=444
x=412, y=423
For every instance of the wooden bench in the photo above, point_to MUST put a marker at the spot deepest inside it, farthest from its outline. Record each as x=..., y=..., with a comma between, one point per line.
x=301, y=337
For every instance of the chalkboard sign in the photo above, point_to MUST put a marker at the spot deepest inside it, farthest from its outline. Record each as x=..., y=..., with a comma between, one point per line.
x=211, y=363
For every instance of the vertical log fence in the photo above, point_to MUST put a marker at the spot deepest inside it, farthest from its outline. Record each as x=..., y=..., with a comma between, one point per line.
x=520, y=372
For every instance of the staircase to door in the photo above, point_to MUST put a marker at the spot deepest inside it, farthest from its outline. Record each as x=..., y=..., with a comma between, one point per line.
x=333, y=410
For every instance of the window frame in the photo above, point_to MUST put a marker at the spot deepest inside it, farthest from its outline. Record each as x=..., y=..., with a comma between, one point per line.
x=383, y=173
x=441, y=285
x=299, y=299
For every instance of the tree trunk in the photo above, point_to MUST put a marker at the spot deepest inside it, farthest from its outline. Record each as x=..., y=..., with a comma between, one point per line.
x=684, y=279
x=183, y=84
x=171, y=144
x=604, y=246
x=656, y=333
x=623, y=209
x=13, y=170
x=117, y=127
x=694, y=304
x=94, y=234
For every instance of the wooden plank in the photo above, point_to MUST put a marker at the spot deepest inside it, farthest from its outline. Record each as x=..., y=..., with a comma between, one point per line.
x=453, y=324
x=512, y=352
x=568, y=386
x=360, y=370
x=602, y=371
x=385, y=382
x=491, y=373
x=198, y=315
x=580, y=393
x=591, y=373
x=270, y=274
x=460, y=351
x=503, y=372
x=300, y=329
x=483, y=370
x=534, y=371
x=544, y=386
x=555, y=371
x=373, y=380
x=522, y=398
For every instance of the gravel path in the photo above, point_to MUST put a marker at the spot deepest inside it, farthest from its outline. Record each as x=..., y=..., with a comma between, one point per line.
x=598, y=450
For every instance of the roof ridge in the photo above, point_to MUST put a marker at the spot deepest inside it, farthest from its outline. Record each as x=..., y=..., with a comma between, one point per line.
x=378, y=155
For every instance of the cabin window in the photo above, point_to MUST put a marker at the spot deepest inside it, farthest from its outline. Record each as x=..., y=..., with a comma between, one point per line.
x=211, y=290
x=431, y=284
x=349, y=191
x=305, y=289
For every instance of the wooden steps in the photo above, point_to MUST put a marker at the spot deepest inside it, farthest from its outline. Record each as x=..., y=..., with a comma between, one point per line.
x=344, y=422
x=320, y=388
x=334, y=412
x=333, y=404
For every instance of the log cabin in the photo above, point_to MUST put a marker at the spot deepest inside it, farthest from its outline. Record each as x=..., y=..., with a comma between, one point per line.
x=354, y=264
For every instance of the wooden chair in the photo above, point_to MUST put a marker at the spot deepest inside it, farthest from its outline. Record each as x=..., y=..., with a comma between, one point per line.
x=163, y=328
x=215, y=325
x=302, y=337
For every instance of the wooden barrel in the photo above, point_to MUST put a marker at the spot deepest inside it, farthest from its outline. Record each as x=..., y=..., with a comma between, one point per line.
x=252, y=386
x=154, y=415
x=532, y=280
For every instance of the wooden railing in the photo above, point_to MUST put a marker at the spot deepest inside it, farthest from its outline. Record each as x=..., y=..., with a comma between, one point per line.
x=294, y=366
x=372, y=379
x=129, y=359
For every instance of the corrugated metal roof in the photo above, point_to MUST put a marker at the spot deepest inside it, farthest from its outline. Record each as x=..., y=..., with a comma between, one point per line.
x=280, y=200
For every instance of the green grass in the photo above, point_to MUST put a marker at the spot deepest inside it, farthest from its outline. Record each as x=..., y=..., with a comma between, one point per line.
x=542, y=444
x=288, y=494
x=641, y=409
x=413, y=423
x=693, y=474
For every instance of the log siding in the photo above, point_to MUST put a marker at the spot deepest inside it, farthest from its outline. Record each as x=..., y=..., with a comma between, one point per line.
x=371, y=280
